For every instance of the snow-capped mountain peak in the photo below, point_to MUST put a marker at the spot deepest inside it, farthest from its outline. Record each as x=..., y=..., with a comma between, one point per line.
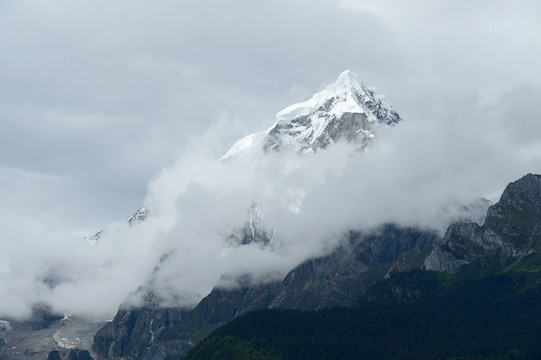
x=346, y=110
x=336, y=98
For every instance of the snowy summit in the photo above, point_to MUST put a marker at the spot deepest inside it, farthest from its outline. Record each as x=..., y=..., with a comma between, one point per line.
x=344, y=111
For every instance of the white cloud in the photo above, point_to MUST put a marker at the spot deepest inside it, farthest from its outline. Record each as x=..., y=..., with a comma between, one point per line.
x=409, y=177
x=96, y=97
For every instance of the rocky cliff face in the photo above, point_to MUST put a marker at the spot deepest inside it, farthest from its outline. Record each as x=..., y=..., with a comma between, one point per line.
x=338, y=279
x=512, y=226
x=516, y=218
x=139, y=333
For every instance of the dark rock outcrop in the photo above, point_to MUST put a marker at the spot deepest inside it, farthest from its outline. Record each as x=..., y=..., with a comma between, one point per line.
x=74, y=354
x=137, y=333
x=512, y=226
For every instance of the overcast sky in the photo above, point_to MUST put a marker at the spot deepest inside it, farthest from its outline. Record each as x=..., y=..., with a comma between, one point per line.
x=96, y=97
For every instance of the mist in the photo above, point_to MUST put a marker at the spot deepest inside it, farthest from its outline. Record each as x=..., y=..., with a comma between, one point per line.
x=418, y=173
x=107, y=107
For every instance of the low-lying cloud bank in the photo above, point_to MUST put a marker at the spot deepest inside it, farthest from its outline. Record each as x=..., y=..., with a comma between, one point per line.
x=412, y=176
